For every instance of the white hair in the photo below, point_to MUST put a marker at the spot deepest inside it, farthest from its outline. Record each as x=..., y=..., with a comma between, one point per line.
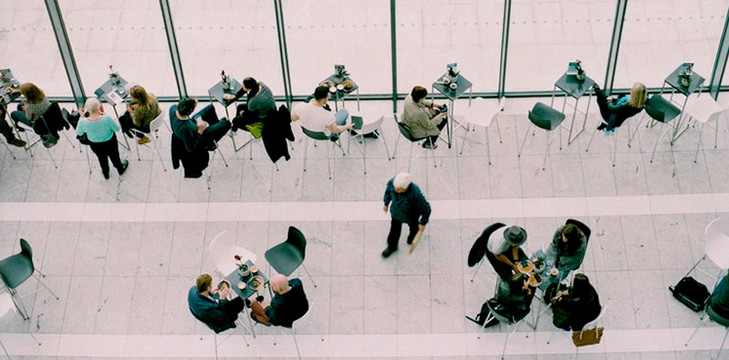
x=92, y=105
x=401, y=181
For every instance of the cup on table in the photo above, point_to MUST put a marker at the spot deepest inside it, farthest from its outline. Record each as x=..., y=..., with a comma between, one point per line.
x=254, y=269
x=340, y=87
x=332, y=89
x=554, y=272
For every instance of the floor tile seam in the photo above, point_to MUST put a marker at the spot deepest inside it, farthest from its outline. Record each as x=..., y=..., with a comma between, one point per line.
x=103, y=270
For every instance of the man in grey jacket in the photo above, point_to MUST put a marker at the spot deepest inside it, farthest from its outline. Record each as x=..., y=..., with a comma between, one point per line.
x=407, y=205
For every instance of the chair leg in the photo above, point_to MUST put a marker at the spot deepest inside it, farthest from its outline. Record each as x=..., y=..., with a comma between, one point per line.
x=47, y=288
x=136, y=144
x=88, y=159
x=698, y=146
x=411, y=156
x=160, y=160
x=19, y=304
x=718, y=355
x=387, y=151
x=398, y=141
x=546, y=153
x=463, y=142
x=656, y=145
x=50, y=155
x=498, y=130
x=3, y=345
x=217, y=148
x=296, y=343
x=8, y=149
x=329, y=165
x=215, y=338
x=521, y=147
x=364, y=155
x=587, y=149
x=703, y=322
x=477, y=269
x=488, y=144
x=309, y=275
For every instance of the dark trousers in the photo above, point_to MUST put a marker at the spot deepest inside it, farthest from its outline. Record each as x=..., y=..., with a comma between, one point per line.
x=4, y=127
x=233, y=307
x=129, y=128
x=396, y=229
x=440, y=126
x=217, y=129
x=39, y=127
x=107, y=150
x=602, y=100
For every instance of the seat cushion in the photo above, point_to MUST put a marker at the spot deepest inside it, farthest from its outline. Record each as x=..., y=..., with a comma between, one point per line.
x=285, y=258
x=545, y=117
x=15, y=270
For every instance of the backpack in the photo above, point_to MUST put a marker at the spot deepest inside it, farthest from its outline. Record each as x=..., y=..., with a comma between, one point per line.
x=483, y=314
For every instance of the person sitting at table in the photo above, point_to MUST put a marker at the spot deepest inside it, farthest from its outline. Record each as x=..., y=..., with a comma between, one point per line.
x=142, y=108
x=513, y=298
x=576, y=305
x=288, y=304
x=7, y=131
x=212, y=306
x=316, y=115
x=31, y=112
x=719, y=300
x=504, y=252
x=100, y=129
x=259, y=105
x=615, y=111
x=424, y=118
x=567, y=249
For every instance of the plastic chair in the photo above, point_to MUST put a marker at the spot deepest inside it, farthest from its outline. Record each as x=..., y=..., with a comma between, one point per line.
x=153, y=129
x=15, y=270
x=288, y=255
x=546, y=118
x=716, y=247
x=662, y=111
x=53, y=115
x=405, y=132
x=482, y=113
x=314, y=136
x=704, y=109
x=502, y=320
x=222, y=251
x=478, y=249
x=7, y=311
x=711, y=314
x=368, y=128
x=591, y=325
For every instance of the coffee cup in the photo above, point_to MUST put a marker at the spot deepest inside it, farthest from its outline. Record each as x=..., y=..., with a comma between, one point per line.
x=332, y=89
x=453, y=86
x=446, y=80
x=554, y=272
x=254, y=269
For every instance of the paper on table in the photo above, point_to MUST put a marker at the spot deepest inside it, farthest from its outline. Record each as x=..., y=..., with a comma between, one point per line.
x=114, y=97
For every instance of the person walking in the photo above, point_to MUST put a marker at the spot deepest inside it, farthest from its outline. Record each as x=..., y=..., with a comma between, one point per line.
x=406, y=204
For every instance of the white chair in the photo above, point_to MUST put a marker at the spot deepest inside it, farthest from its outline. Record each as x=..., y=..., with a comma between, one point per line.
x=7, y=313
x=716, y=247
x=482, y=113
x=222, y=251
x=367, y=128
x=710, y=314
x=591, y=325
x=312, y=137
x=704, y=109
x=153, y=129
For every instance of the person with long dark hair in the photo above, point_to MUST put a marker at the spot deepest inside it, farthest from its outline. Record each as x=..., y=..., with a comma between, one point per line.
x=576, y=305
x=142, y=108
x=567, y=250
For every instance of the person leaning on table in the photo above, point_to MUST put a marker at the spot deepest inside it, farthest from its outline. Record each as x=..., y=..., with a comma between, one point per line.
x=407, y=205
x=259, y=105
x=504, y=252
x=100, y=130
x=212, y=306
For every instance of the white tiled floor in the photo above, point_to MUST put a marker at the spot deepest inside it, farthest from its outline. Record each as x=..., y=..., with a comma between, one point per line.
x=121, y=253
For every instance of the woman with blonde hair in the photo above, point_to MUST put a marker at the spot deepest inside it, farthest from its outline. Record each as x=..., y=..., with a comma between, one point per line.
x=100, y=130
x=142, y=108
x=31, y=111
x=615, y=111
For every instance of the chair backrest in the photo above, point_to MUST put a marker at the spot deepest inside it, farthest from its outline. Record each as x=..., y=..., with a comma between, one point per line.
x=499, y=316
x=594, y=322
x=716, y=236
x=405, y=131
x=27, y=251
x=222, y=251
x=716, y=317
x=372, y=126
x=545, y=117
x=158, y=121
x=653, y=110
x=580, y=225
x=297, y=239
x=316, y=135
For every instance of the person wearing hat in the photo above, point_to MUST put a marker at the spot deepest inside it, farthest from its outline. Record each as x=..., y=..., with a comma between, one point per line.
x=503, y=250
x=407, y=205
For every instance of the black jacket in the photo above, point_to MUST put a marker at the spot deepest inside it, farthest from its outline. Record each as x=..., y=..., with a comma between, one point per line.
x=289, y=307
x=276, y=130
x=208, y=311
x=194, y=158
x=573, y=314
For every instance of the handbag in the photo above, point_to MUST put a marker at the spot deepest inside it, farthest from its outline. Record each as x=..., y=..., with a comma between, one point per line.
x=83, y=139
x=691, y=293
x=587, y=337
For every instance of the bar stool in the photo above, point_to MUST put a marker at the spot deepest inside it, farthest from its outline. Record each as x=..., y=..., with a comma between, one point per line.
x=546, y=118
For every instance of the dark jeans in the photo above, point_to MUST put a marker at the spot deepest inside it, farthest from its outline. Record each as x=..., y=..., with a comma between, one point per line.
x=602, y=100
x=107, y=150
x=216, y=130
x=39, y=127
x=440, y=126
x=396, y=229
x=233, y=307
x=4, y=127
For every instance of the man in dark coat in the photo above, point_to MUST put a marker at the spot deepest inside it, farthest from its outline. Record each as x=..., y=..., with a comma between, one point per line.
x=211, y=306
x=407, y=205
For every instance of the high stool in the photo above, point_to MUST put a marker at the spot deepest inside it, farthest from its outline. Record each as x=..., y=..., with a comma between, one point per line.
x=547, y=118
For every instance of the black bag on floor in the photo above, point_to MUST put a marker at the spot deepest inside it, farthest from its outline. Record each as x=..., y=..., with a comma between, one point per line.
x=691, y=293
x=483, y=314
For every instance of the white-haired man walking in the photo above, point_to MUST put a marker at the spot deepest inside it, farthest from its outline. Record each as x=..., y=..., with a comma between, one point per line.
x=407, y=205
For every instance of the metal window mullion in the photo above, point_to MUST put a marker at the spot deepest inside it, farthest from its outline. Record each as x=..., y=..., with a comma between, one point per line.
x=393, y=51
x=620, y=9
x=64, y=46
x=722, y=52
x=504, y=48
x=174, y=49
x=283, y=50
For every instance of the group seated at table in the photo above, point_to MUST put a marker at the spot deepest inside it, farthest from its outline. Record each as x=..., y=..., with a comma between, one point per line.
x=576, y=305
x=513, y=298
x=34, y=112
x=213, y=307
x=288, y=304
x=423, y=118
x=615, y=111
x=142, y=108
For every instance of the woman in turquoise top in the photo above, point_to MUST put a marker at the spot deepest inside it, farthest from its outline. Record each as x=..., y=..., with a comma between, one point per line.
x=100, y=130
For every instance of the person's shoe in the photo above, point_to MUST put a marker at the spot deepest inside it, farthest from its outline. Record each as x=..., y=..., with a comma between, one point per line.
x=18, y=143
x=601, y=126
x=595, y=87
x=125, y=165
x=50, y=141
x=248, y=302
x=352, y=132
x=19, y=128
x=106, y=175
x=387, y=252
x=212, y=147
x=372, y=135
x=260, y=298
x=143, y=140
x=429, y=145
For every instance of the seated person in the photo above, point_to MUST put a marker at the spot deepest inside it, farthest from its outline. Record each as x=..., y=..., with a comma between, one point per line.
x=31, y=112
x=315, y=115
x=567, y=250
x=576, y=305
x=513, y=298
x=719, y=300
x=202, y=129
x=142, y=108
x=615, y=111
x=503, y=250
x=423, y=117
x=288, y=305
x=259, y=105
x=212, y=306
x=7, y=131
